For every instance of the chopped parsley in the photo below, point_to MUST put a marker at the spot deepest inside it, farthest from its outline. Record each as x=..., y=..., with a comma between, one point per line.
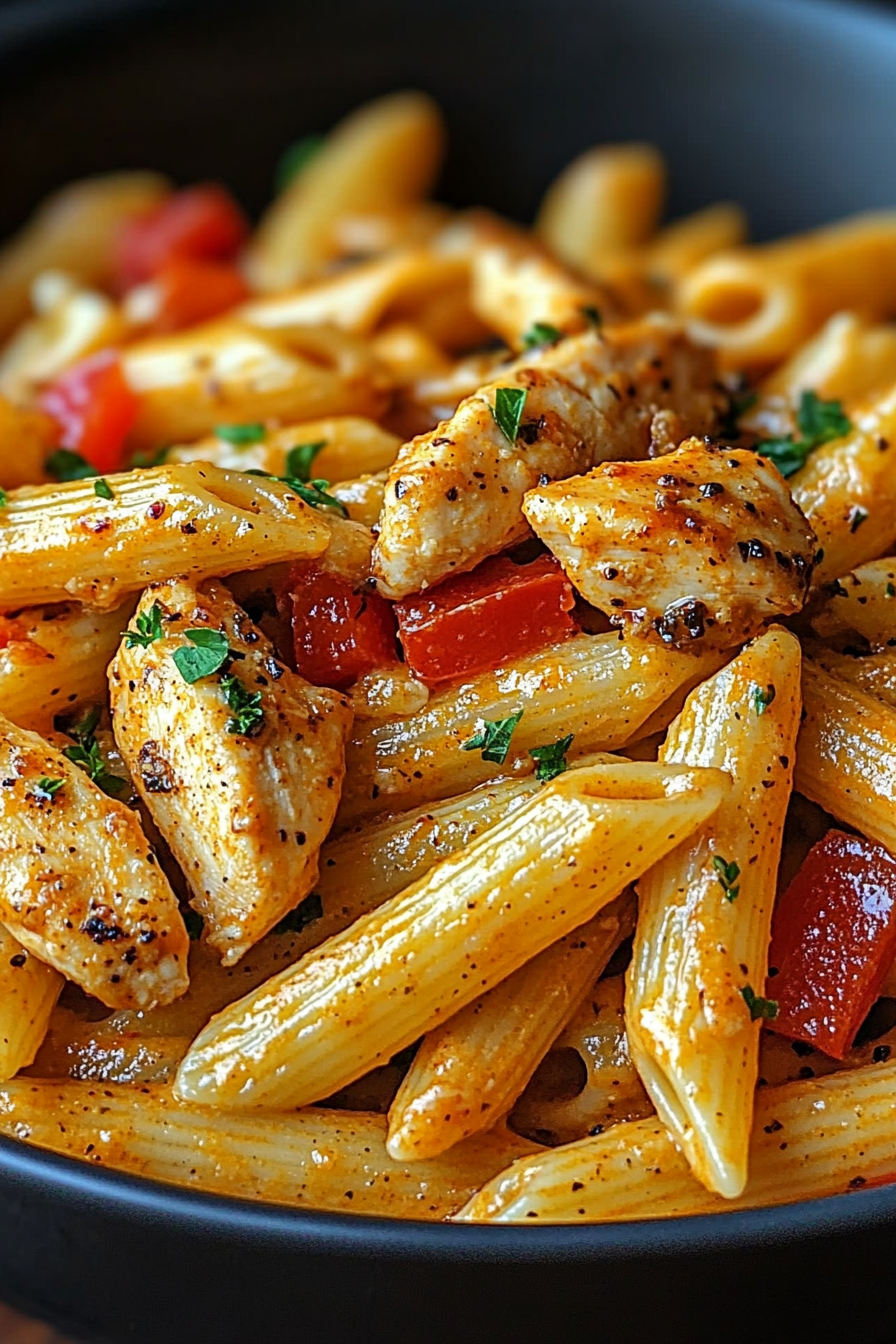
x=86, y=754
x=857, y=516
x=593, y=315
x=305, y=913
x=727, y=873
x=759, y=1007
x=541, y=333
x=3, y=498
x=739, y=404
x=550, y=760
x=46, y=789
x=300, y=459
x=241, y=436
x=209, y=654
x=891, y=590
x=295, y=159
x=493, y=738
x=762, y=697
x=193, y=923
x=248, y=715
x=315, y=494
x=102, y=488
x=819, y=422
x=144, y=458
x=149, y=628
x=64, y=465
x=508, y=410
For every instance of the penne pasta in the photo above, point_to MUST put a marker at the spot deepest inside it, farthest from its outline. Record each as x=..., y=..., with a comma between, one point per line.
x=72, y=324
x=684, y=243
x=873, y=673
x=27, y=438
x=472, y=921
x=599, y=688
x=343, y=447
x=849, y=360
x=315, y=1159
x=469, y=1071
x=701, y=946
x=813, y=1138
x=363, y=497
x=192, y=518
x=861, y=603
x=28, y=993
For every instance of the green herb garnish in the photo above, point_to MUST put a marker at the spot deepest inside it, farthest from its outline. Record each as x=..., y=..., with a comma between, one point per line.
x=3, y=498
x=541, y=333
x=857, y=516
x=508, y=410
x=46, y=789
x=64, y=465
x=315, y=494
x=87, y=756
x=891, y=590
x=295, y=159
x=209, y=653
x=241, y=436
x=493, y=738
x=762, y=697
x=759, y=1007
x=102, y=488
x=149, y=628
x=144, y=458
x=305, y=913
x=727, y=873
x=300, y=458
x=248, y=715
x=193, y=923
x=819, y=422
x=550, y=761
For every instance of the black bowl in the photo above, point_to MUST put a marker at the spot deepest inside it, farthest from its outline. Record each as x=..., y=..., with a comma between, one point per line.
x=786, y=105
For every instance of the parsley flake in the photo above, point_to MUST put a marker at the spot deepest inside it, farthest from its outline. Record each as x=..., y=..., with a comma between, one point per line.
x=541, y=333
x=758, y=1006
x=857, y=516
x=193, y=923
x=102, y=488
x=248, y=715
x=86, y=754
x=762, y=697
x=295, y=159
x=46, y=789
x=819, y=422
x=891, y=590
x=550, y=760
x=305, y=913
x=315, y=494
x=593, y=315
x=508, y=410
x=727, y=873
x=209, y=653
x=144, y=458
x=493, y=738
x=300, y=459
x=3, y=498
x=241, y=436
x=149, y=628
x=64, y=465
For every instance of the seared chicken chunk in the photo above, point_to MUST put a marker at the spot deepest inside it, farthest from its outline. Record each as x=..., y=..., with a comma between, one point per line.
x=454, y=495
x=79, y=884
x=241, y=768
x=703, y=544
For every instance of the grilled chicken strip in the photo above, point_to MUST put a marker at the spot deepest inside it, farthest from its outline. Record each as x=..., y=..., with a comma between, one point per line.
x=243, y=798
x=454, y=495
x=79, y=884
x=704, y=544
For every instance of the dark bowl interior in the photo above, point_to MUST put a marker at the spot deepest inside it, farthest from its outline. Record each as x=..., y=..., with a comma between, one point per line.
x=786, y=105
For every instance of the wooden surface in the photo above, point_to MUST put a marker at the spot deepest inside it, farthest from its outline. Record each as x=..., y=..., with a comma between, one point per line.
x=14, y=1329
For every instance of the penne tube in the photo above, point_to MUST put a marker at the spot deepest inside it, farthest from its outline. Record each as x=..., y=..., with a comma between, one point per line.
x=686, y=242
x=344, y=446
x=705, y=911
x=587, y=1080
x=225, y=371
x=873, y=673
x=469, y=1071
x=363, y=497
x=59, y=542
x=601, y=689
x=846, y=755
x=54, y=658
x=27, y=437
x=848, y=361
x=28, y=993
x=862, y=603
x=318, y=1159
x=515, y=285
x=384, y=155
x=473, y=920
x=76, y=324
x=812, y=1138
x=847, y=490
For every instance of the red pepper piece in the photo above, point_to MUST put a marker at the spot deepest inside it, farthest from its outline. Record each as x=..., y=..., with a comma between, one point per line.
x=94, y=408
x=833, y=940
x=475, y=621
x=202, y=223
x=340, y=632
x=194, y=291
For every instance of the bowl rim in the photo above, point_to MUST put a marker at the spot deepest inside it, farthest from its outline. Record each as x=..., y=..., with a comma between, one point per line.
x=106, y=1191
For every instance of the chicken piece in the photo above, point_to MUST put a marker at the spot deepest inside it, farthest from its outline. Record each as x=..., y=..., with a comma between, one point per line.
x=79, y=884
x=454, y=495
x=702, y=544
x=241, y=769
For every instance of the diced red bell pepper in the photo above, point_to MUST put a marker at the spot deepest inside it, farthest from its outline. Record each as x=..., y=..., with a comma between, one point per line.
x=194, y=291
x=340, y=632
x=833, y=939
x=475, y=621
x=202, y=223
x=94, y=408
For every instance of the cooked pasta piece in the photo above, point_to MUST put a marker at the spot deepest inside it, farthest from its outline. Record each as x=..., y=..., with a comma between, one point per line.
x=700, y=954
x=79, y=885
x=861, y=603
x=873, y=673
x=425, y=954
x=702, y=544
x=454, y=496
x=70, y=324
x=846, y=754
x=59, y=542
x=850, y=361
x=110, y=1051
x=813, y=1138
x=318, y=1159
x=337, y=449
x=238, y=760
x=363, y=497
x=28, y=993
x=190, y=382
x=383, y=155
x=684, y=243
x=27, y=438
x=470, y=1070
x=600, y=688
